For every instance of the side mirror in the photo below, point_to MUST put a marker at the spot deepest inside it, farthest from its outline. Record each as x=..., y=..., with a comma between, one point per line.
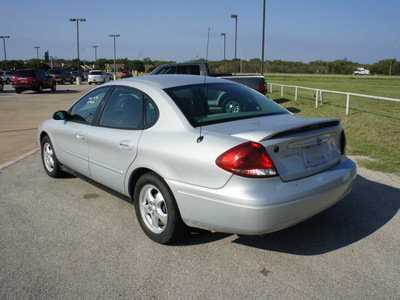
x=61, y=115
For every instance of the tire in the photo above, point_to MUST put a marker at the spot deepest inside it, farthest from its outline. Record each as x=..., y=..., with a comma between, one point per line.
x=1, y=86
x=18, y=91
x=49, y=159
x=53, y=87
x=63, y=81
x=72, y=81
x=157, y=211
x=90, y=83
x=40, y=89
x=231, y=106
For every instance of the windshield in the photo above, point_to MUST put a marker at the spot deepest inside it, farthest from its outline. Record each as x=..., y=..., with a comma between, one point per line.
x=54, y=71
x=205, y=104
x=95, y=73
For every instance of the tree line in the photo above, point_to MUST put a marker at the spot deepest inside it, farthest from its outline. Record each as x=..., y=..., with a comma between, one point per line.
x=253, y=66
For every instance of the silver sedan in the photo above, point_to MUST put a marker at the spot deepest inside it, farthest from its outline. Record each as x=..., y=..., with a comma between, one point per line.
x=200, y=152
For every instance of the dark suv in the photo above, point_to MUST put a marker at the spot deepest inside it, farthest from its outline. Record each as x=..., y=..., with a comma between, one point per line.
x=32, y=79
x=61, y=76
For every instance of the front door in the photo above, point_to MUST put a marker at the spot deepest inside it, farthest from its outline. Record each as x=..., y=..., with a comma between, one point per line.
x=71, y=135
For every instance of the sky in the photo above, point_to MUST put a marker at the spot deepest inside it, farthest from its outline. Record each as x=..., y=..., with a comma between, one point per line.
x=363, y=31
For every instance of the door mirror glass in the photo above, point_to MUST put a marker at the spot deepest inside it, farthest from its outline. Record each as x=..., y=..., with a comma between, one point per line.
x=61, y=115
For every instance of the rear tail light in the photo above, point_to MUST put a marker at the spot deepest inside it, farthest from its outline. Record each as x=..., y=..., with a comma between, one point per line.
x=343, y=143
x=262, y=88
x=248, y=159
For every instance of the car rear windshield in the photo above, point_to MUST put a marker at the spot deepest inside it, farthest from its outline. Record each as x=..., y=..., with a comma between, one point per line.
x=95, y=73
x=206, y=104
x=54, y=71
x=23, y=73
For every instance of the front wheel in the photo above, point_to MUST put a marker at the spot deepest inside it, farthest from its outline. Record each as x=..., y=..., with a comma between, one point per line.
x=53, y=86
x=49, y=159
x=40, y=89
x=156, y=210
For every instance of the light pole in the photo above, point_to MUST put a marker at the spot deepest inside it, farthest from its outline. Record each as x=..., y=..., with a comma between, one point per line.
x=236, y=18
x=95, y=53
x=224, y=35
x=37, y=50
x=263, y=41
x=5, y=53
x=115, y=54
x=390, y=66
x=78, y=79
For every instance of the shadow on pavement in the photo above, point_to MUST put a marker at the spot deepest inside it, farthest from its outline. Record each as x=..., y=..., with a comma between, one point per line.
x=366, y=209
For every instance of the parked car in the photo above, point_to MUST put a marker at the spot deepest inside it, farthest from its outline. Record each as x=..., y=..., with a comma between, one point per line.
x=82, y=74
x=256, y=82
x=361, y=71
x=32, y=79
x=1, y=85
x=6, y=76
x=110, y=76
x=98, y=76
x=166, y=141
x=61, y=76
x=126, y=74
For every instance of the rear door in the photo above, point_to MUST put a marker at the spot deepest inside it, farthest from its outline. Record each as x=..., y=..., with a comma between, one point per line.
x=113, y=143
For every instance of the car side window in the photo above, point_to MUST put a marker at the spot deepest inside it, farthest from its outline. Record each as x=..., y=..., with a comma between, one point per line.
x=123, y=109
x=85, y=109
x=151, y=112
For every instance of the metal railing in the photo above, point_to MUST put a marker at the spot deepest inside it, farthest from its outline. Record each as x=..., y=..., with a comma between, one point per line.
x=319, y=94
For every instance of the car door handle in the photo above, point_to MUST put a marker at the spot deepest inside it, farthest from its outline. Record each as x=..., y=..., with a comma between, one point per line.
x=126, y=145
x=79, y=136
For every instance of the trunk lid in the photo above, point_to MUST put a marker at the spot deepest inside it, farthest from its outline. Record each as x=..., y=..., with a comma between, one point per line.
x=299, y=147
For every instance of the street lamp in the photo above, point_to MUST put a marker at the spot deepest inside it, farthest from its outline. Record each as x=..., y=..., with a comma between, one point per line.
x=263, y=41
x=224, y=35
x=236, y=18
x=390, y=66
x=95, y=53
x=37, y=50
x=5, y=53
x=115, y=54
x=78, y=79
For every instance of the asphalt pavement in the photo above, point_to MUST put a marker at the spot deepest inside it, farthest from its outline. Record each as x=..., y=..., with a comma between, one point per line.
x=72, y=239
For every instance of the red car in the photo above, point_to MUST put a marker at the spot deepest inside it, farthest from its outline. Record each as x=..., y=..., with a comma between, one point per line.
x=126, y=74
x=32, y=79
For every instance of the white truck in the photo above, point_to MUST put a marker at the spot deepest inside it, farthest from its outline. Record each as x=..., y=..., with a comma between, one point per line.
x=361, y=71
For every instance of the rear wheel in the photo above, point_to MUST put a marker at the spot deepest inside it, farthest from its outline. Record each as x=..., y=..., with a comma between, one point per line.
x=40, y=88
x=156, y=210
x=53, y=86
x=49, y=159
x=63, y=81
x=18, y=91
x=1, y=86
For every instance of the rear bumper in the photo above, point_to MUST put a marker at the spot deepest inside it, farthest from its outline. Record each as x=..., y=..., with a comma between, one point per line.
x=25, y=86
x=258, y=206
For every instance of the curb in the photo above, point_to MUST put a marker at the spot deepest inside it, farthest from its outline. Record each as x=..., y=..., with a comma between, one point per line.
x=9, y=163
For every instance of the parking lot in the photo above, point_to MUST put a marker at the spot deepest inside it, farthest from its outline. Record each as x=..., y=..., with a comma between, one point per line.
x=69, y=238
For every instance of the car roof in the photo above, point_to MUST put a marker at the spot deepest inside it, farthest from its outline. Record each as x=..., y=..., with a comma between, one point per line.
x=171, y=80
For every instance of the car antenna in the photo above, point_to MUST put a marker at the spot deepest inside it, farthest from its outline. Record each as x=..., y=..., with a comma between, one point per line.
x=201, y=137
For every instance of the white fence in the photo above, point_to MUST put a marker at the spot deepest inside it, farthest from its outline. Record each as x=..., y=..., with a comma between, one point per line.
x=319, y=94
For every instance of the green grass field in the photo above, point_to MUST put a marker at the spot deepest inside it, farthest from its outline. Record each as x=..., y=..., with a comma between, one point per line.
x=372, y=126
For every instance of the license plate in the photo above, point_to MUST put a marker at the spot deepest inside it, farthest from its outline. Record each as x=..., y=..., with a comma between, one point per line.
x=313, y=155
